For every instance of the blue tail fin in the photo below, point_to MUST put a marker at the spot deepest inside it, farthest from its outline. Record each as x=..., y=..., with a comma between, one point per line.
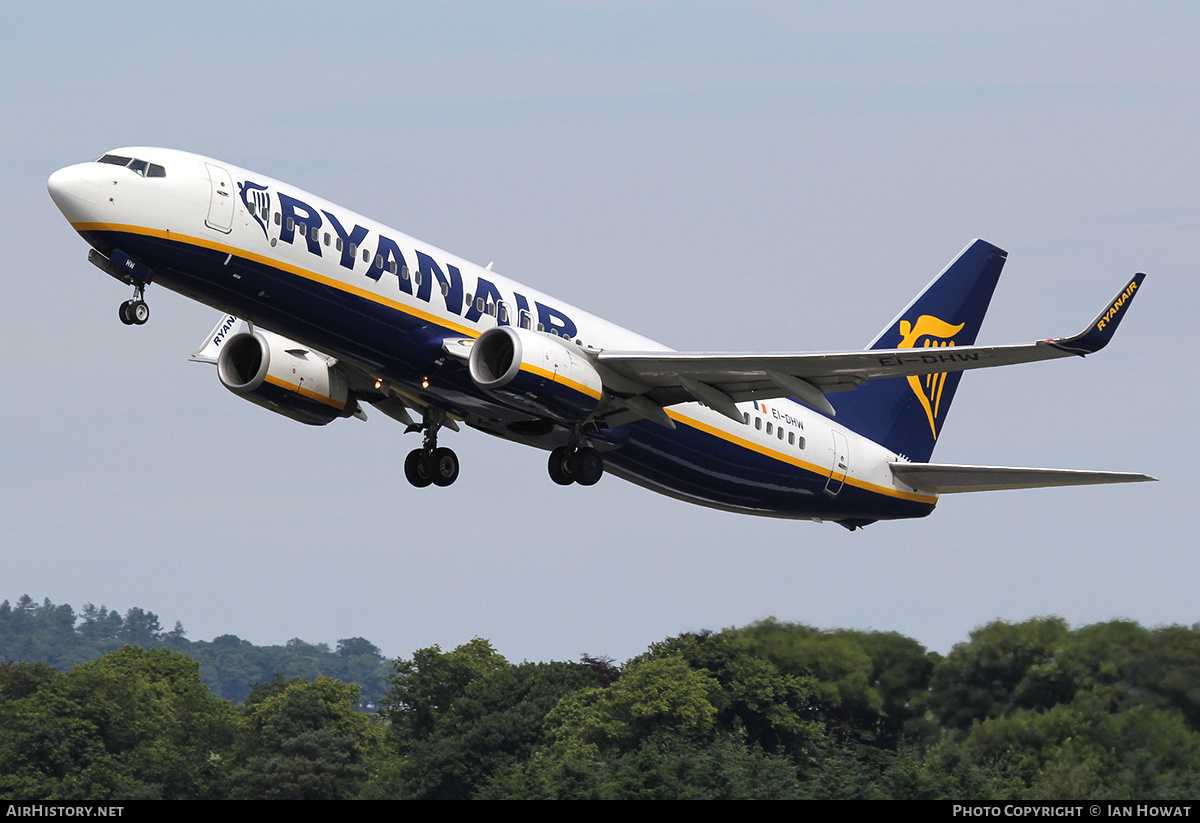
x=905, y=414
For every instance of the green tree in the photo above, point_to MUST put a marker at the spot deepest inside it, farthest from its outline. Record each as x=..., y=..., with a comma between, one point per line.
x=424, y=687
x=496, y=724
x=356, y=647
x=99, y=624
x=140, y=628
x=865, y=686
x=723, y=767
x=304, y=741
x=1003, y=667
x=661, y=697
x=1081, y=751
x=773, y=709
x=131, y=724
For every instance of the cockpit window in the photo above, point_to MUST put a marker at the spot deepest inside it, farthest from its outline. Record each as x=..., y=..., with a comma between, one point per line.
x=139, y=166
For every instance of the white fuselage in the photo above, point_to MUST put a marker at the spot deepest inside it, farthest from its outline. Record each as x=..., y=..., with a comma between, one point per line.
x=376, y=298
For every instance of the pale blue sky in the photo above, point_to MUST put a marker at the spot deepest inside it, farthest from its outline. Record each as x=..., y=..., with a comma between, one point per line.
x=757, y=177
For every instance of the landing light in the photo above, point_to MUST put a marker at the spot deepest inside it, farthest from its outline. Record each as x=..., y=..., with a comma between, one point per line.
x=425, y=382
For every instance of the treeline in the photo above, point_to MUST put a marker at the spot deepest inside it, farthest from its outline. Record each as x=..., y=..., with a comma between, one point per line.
x=1032, y=710
x=45, y=633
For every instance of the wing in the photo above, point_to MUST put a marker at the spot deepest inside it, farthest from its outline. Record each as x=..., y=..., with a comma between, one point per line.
x=721, y=380
x=945, y=478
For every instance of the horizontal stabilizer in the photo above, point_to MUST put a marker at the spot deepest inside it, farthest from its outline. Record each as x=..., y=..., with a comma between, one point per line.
x=945, y=478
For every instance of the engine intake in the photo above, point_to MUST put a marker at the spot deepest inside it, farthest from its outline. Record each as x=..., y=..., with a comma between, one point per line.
x=536, y=373
x=285, y=377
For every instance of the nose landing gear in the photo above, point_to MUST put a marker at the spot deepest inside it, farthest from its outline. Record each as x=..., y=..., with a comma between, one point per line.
x=135, y=312
x=131, y=272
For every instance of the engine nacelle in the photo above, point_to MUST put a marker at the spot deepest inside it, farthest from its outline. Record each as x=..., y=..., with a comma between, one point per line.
x=537, y=373
x=285, y=377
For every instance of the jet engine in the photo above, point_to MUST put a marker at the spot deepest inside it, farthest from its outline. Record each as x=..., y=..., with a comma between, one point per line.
x=537, y=373
x=285, y=377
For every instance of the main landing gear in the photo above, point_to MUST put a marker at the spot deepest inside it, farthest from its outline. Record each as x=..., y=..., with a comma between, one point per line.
x=135, y=312
x=583, y=466
x=430, y=464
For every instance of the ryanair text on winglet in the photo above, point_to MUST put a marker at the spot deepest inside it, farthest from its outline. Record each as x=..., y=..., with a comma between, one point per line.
x=1116, y=306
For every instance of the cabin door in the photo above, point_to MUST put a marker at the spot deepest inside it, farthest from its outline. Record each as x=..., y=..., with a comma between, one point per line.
x=841, y=463
x=220, y=204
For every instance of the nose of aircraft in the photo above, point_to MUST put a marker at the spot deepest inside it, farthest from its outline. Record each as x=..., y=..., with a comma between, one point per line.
x=74, y=191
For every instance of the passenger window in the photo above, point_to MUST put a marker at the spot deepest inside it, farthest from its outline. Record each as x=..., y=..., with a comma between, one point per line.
x=366, y=256
x=746, y=418
x=770, y=426
x=338, y=245
x=327, y=238
x=315, y=233
x=791, y=438
x=353, y=249
x=394, y=268
x=278, y=218
x=445, y=289
x=479, y=304
x=503, y=314
x=291, y=224
x=780, y=432
x=541, y=326
x=801, y=441
x=758, y=423
x=379, y=261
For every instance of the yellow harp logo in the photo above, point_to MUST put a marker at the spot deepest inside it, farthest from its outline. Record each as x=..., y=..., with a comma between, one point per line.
x=928, y=332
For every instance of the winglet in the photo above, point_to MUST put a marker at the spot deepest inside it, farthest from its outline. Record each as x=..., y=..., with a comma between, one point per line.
x=1097, y=335
x=210, y=349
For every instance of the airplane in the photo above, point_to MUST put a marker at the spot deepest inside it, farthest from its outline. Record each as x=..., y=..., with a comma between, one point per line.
x=325, y=310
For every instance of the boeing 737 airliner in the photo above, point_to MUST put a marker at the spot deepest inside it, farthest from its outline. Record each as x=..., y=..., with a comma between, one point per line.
x=325, y=310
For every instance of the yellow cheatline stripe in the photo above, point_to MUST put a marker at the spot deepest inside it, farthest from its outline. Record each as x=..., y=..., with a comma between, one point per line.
x=322, y=279
x=307, y=274
x=271, y=262
x=558, y=378
x=303, y=392
x=795, y=461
